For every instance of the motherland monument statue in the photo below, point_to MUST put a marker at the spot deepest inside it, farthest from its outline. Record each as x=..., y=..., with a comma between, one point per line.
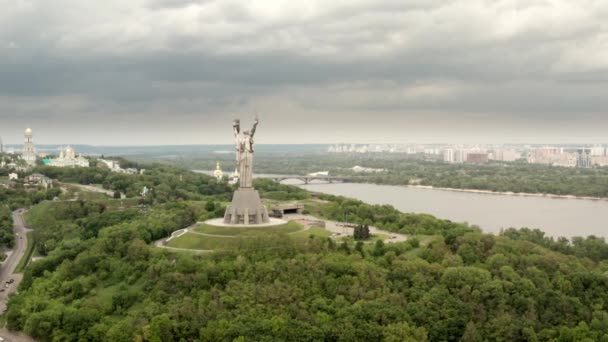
x=246, y=207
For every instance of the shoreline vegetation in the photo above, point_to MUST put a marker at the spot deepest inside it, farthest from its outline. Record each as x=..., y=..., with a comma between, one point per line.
x=509, y=178
x=475, y=191
x=506, y=193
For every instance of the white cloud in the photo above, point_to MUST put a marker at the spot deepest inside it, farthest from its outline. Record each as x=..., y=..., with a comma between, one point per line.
x=509, y=58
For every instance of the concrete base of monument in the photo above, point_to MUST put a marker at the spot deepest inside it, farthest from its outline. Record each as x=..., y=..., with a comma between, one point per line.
x=219, y=222
x=246, y=208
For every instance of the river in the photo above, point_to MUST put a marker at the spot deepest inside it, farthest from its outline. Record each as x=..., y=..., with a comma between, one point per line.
x=555, y=216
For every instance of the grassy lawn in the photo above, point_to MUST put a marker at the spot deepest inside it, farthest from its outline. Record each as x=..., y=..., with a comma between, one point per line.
x=236, y=240
x=315, y=231
x=28, y=253
x=117, y=203
x=92, y=196
x=287, y=228
x=201, y=242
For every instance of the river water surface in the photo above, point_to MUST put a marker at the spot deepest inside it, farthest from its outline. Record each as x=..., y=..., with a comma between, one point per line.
x=555, y=216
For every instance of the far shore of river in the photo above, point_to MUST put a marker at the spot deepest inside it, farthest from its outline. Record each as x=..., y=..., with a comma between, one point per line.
x=487, y=192
x=510, y=193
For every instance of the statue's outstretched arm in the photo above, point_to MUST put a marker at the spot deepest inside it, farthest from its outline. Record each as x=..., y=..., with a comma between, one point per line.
x=236, y=126
x=255, y=125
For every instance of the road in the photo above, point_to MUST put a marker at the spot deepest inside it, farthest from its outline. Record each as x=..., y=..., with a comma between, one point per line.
x=7, y=272
x=9, y=265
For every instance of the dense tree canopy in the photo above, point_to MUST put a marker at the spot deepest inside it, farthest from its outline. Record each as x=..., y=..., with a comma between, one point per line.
x=7, y=237
x=101, y=280
x=166, y=183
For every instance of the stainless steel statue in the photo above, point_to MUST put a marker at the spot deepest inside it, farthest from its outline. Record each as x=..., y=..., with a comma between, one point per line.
x=246, y=207
x=244, y=152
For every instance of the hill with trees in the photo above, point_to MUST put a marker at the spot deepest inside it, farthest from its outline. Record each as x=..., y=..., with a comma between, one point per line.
x=102, y=280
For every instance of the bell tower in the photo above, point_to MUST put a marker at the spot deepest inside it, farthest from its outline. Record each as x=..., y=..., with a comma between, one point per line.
x=29, y=152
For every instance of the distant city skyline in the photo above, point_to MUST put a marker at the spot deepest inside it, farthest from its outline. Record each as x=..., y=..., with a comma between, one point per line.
x=574, y=145
x=178, y=71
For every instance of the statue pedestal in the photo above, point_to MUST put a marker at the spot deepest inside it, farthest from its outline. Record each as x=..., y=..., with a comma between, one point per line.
x=246, y=208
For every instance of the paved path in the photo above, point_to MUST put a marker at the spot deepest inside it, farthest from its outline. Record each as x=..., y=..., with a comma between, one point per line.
x=11, y=336
x=188, y=249
x=339, y=229
x=163, y=242
x=342, y=228
x=7, y=272
x=192, y=231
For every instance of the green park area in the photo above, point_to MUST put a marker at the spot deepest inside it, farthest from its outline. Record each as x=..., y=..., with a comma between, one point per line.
x=289, y=227
x=208, y=238
x=312, y=231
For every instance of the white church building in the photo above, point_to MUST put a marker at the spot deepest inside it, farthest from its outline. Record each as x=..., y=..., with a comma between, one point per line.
x=68, y=158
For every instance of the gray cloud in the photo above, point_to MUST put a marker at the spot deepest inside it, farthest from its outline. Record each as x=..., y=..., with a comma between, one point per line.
x=177, y=68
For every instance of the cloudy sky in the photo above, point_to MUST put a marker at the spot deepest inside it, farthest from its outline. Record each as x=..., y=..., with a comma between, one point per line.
x=132, y=72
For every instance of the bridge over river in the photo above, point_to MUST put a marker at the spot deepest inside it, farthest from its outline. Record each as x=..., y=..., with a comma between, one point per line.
x=303, y=179
x=306, y=179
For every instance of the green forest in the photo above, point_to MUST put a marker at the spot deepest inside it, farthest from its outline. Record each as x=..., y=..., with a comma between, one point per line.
x=518, y=177
x=167, y=183
x=11, y=199
x=7, y=237
x=102, y=280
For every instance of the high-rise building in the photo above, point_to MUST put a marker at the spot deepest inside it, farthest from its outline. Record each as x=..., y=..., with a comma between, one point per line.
x=460, y=156
x=29, y=152
x=448, y=155
x=507, y=155
x=600, y=160
x=546, y=155
x=477, y=158
x=583, y=158
x=598, y=151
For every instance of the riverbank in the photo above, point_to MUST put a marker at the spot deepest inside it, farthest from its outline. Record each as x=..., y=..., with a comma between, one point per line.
x=490, y=211
x=508, y=193
x=488, y=192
